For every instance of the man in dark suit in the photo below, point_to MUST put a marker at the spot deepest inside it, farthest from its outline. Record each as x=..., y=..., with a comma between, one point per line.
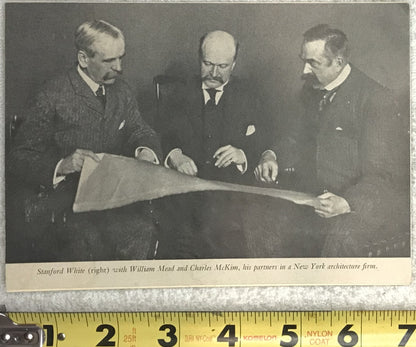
x=210, y=132
x=85, y=111
x=213, y=117
x=351, y=147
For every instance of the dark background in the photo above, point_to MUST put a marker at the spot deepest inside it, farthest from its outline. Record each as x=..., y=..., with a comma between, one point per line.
x=164, y=38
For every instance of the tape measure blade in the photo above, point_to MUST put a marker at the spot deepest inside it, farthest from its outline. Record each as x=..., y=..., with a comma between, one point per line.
x=226, y=329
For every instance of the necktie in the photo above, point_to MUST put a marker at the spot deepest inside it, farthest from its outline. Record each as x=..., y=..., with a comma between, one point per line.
x=211, y=102
x=327, y=98
x=100, y=94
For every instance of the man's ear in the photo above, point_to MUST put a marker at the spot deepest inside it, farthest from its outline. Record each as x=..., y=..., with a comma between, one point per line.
x=233, y=65
x=83, y=59
x=340, y=60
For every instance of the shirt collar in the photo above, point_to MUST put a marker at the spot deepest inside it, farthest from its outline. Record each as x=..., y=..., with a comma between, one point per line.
x=340, y=79
x=92, y=84
x=219, y=89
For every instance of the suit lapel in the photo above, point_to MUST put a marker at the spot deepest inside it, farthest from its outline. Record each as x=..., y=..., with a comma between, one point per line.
x=226, y=101
x=111, y=101
x=85, y=93
x=196, y=100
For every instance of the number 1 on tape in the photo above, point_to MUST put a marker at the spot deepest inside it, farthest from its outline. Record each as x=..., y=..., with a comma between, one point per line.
x=226, y=329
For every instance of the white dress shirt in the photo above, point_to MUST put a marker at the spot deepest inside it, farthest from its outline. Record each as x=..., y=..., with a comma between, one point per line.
x=345, y=72
x=218, y=95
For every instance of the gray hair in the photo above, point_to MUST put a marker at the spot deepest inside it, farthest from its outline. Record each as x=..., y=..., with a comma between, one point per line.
x=87, y=33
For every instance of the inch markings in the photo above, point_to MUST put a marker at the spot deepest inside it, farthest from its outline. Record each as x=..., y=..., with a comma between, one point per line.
x=226, y=329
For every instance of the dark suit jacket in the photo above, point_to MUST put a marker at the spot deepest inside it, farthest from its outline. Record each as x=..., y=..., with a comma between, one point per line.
x=66, y=115
x=357, y=148
x=209, y=221
x=185, y=127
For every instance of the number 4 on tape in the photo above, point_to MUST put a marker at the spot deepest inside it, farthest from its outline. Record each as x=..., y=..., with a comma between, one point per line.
x=211, y=329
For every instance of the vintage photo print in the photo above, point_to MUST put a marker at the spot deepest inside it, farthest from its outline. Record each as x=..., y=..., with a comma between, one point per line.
x=206, y=144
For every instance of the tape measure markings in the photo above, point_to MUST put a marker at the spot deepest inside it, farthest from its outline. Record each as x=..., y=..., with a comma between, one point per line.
x=300, y=329
x=239, y=318
x=227, y=329
x=50, y=336
x=207, y=317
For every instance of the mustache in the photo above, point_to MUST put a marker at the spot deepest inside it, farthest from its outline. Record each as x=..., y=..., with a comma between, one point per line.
x=209, y=78
x=311, y=80
x=308, y=77
x=111, y=75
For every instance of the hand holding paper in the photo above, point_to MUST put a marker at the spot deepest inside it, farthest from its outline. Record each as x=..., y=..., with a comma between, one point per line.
x=331, y=205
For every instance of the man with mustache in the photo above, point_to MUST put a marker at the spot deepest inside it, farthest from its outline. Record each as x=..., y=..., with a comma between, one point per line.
x=214, y=117
x=210, y=132
x=350, y=148
x=85, y=111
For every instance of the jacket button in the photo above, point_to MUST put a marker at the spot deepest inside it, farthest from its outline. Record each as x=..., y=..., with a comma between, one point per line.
x=207, y=162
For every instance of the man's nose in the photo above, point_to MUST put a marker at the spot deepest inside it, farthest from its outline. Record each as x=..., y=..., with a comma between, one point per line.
x=214, y=70
x=117, y=65
x=307, y=69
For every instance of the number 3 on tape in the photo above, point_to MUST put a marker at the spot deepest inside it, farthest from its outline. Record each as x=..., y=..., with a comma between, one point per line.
x=212, y=329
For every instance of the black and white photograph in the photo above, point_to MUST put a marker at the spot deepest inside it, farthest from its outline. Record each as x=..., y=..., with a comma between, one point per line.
x=180, y=144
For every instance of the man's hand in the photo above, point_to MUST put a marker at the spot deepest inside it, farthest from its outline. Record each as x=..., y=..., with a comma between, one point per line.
x=75, y=161
x=146, y=155
x=182, y=163
x=332, y=205
x=227, y=155
x=267, y=169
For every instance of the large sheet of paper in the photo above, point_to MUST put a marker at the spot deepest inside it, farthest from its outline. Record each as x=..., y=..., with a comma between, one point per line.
x=117, y=181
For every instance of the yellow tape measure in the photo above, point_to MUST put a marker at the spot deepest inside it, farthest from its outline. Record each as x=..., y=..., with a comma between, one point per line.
x=226, y=329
